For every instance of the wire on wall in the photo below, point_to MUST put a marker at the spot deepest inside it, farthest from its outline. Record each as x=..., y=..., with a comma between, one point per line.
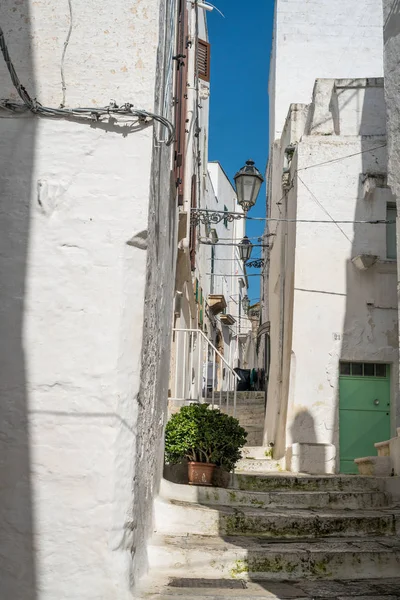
x=91, y=113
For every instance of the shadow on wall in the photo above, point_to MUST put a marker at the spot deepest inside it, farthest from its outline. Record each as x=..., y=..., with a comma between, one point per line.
x=17, y=143
x=391, y=27
x=306, y=455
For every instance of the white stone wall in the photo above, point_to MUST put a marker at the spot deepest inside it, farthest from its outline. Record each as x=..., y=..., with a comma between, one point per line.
x=73, y=317
x=391, y=10
x=321, y=39
x=330, y=310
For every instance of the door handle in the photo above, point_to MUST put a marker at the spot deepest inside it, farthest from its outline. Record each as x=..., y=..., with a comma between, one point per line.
x=376, y=402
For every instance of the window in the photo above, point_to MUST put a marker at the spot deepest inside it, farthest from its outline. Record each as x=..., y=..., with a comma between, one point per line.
x=391, y=250
x=358, y=369
x=203, y=60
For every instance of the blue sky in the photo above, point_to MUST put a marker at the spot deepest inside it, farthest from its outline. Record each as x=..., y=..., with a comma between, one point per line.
x=240, y=50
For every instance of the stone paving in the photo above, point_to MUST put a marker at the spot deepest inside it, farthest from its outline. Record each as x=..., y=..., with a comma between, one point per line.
x=210, y=589
x=276, y=536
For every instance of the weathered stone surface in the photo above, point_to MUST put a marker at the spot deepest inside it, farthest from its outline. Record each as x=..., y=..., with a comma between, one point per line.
x=254, y=558
x=276, y=481
x=182, y=518
x=294, y=590
x=273, y=499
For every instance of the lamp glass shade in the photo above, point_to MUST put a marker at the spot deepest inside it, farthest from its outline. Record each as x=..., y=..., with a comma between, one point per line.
x=245, y=304
x=245, y=249
x=248, y=182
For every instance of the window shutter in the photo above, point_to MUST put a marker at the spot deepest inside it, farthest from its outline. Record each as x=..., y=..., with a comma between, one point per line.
x=203, y=60
x=180, y=98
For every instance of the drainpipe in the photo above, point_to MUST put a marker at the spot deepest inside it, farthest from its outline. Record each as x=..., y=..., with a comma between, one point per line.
x=277, y=437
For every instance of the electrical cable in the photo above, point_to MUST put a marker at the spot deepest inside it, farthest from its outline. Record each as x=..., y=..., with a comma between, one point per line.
x=93, y=113
x=313, y=196
x=276, y=219
x=63, y=86
x=333, y=160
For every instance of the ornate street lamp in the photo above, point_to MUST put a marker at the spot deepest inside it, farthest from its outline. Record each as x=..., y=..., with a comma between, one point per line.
x=245, y=304
x=248, y=182
x=245, y=248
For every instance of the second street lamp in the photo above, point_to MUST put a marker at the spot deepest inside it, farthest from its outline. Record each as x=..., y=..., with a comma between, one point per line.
x=245, y=304
x=245, y=248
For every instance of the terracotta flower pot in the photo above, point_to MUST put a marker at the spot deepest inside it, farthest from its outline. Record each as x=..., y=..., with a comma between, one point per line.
x=200, y=473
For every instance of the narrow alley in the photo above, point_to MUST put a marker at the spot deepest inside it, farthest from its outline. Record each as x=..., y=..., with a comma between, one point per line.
x=199, y=300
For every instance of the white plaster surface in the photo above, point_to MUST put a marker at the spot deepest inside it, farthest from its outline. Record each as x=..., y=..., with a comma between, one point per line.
x=330, y=310
x=321, y=39
x=73, y=318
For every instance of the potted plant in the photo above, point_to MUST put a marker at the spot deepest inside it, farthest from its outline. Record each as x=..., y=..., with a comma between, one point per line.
x=206, y=438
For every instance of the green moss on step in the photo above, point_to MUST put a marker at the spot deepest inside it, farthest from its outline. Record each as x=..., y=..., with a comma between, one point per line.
x=320, y=568
x=241, y=567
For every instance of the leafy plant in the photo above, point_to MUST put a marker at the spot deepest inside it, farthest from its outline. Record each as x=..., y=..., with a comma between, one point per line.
x=201, y=434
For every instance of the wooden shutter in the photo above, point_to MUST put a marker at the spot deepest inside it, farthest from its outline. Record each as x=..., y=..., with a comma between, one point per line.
x=203, y=60
x=181, y=98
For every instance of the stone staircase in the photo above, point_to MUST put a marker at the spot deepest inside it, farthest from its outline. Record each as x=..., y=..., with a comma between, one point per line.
x=250, y=411
x=276, y=535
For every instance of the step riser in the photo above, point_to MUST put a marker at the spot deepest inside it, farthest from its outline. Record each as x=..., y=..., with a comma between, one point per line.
x=254, y=438
x=254, y=465
x=181, y=520
x=330, y=484
x=288, y=527
x=244, y=564
x=282, y=500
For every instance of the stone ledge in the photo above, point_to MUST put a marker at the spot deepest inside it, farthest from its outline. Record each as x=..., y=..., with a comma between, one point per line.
x=374, y=466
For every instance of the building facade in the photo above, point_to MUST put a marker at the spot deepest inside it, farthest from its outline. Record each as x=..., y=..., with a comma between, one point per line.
x=341, y=39
x=329, y=293
x=332, y=281
x=209, y=323
x=87, y=268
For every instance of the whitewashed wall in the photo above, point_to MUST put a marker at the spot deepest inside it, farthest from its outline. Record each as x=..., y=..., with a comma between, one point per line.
x=80, y=428
x=332, y=311
x=392, y=95
x=321, y=38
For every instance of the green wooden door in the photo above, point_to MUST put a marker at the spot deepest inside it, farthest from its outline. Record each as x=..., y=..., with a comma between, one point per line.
x=364, y=411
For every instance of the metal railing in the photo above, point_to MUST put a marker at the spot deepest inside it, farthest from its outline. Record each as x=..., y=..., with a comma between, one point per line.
x=201, y=373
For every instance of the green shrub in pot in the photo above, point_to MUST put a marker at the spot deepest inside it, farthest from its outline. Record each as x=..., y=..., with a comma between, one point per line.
x=203, y=435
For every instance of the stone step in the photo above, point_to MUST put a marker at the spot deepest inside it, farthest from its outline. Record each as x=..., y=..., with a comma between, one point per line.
x=186, y=518
x=210, y=589
x=259, y=482
x=259, y=465
x=260, y=559
x=275, y=499
x=256, y=452
x=374, y=466
x=383, y=448
x=241, y=396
